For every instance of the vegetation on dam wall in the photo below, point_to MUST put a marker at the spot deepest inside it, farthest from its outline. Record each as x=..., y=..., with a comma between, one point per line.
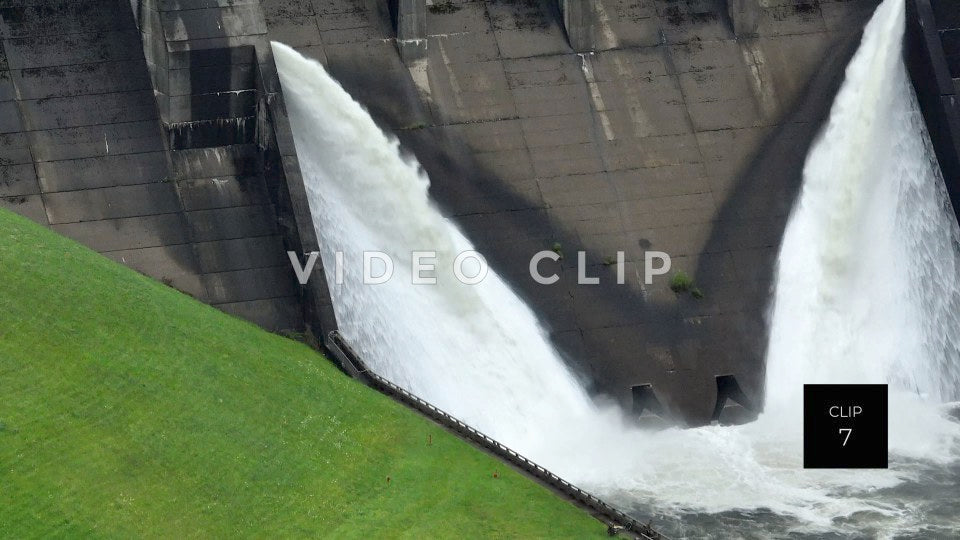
x=130, y=409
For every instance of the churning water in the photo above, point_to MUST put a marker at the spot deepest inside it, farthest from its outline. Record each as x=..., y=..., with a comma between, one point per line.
x=868, y=290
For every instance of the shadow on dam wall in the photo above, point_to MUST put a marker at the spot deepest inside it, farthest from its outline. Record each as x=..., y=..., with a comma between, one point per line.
x=736, y=341
x=768, y=189
x=722, y=335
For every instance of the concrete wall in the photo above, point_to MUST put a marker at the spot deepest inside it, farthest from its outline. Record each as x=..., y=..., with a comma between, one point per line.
x=677, y=135
x=86, y=124
x=410, y=19
x=745, y=16
x=933, y=59
x=202, y=61
x=83, y=151
x=154, y=131
x=587, y=25
x=673, y=126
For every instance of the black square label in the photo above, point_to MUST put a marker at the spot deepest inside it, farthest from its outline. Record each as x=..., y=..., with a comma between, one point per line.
x=845, y=426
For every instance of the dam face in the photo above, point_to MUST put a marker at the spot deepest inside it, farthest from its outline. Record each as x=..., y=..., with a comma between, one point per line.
x=645, y=126
x=796, y=161
x=154, y=132
x=867, y=291
x=90, y=150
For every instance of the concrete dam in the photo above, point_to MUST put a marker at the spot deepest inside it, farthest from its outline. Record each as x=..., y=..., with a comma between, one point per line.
x=154, y=132
x=200, y=141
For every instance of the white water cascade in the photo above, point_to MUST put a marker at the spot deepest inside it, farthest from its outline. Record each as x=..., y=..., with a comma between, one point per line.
x=868, y=285
x=868, y=290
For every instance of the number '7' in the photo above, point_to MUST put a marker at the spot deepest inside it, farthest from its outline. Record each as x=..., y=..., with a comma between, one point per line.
x=847, y=438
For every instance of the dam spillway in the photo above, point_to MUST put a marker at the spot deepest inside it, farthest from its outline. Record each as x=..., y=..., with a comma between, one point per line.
x=659, y=143
x=666, y=126
x=480, y=353
x=873, y=228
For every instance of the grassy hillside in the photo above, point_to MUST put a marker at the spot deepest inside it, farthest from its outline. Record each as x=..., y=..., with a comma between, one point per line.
x=129, y=409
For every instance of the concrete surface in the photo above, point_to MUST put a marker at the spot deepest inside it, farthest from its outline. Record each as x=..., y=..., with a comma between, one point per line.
x=671, y=134
x=410, y=20
x=86, y=150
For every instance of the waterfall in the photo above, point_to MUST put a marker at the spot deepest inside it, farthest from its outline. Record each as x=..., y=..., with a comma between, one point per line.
x=868, y=285
x=867, y=291
x=476, y=351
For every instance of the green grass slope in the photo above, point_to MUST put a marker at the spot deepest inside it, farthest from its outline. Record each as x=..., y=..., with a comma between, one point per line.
x=128, y=409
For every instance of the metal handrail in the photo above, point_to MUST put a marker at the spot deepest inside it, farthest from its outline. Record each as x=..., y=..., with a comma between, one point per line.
x=346, y=355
